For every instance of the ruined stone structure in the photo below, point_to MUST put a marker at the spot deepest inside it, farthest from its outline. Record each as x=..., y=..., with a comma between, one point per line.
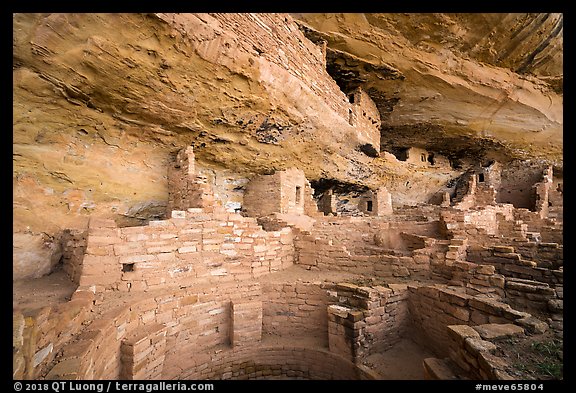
x=365, y=117
x=208, y=293
x=287, y=196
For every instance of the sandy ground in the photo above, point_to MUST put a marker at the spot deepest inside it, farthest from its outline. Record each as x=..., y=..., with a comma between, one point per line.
x=403, y=361
x=50, y=290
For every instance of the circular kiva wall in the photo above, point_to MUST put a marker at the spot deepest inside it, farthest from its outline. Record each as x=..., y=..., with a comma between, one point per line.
x=204, y=333
x=278, y=362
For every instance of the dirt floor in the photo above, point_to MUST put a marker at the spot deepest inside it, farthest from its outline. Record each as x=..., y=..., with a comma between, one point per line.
x=403, y=361
x=50, y=290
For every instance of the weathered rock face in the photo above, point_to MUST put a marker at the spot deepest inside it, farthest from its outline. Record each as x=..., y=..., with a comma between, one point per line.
x=101, y=102
x=458, y=84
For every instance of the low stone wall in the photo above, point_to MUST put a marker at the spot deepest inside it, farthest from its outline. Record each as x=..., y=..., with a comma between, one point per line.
x=474, y=278
x=326, y=253
x=432, y=309
x=39, y=334
x=484, y=221
x=190, y=248
x=547, y=255
x=512, y=264
x=471, y=349
x=528, y=295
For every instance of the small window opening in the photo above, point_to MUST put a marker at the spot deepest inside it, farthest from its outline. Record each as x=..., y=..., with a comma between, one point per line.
x=127, y=267
x=480, y=177
x=298, y=196
x=351, y=98
x=423, y=157
x=369, y=206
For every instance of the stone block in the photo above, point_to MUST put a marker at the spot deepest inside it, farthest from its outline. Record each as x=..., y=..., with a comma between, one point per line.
x=555, y=305
x=178, y=214
x=497, y=280
x=490, y=363
x=462, y=332
x=476, y=345
x=496, y=331
x=485, y=269
x=503, y=249
x=532, y=325
x=489, y=306
x=438, y=369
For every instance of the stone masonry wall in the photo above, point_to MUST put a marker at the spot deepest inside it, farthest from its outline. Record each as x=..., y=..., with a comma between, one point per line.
x=512, y=264
x=277, y=362
x=284, y=45
x=191, y=321
x=285, y=191
x=363, y=320
x=471, y=348
x=186, y=188
x=365, y=117
x=295, y=310
x=186, y=334
x=315, y=253
x=433, y=309
x=73, y=250
x=262, y=195
x=516, y=183
x=39, y=335
x=191, y=248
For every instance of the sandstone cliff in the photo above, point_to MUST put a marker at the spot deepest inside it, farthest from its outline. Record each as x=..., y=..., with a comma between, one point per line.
x=101, y=101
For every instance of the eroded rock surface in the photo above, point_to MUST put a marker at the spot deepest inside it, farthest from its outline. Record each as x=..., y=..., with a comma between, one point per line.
x=101, y=101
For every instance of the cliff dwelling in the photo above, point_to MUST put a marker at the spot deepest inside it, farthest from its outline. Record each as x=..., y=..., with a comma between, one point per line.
x=287, y=196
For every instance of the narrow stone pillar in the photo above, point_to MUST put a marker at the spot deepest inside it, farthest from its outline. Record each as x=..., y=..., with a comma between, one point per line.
x=346, y=332
x=445, y=200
